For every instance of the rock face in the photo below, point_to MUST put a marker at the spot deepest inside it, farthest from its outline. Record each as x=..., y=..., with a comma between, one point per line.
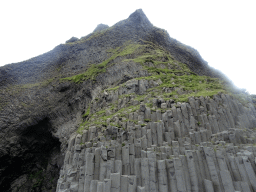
x=100, y=27
x=203, y=145
x=125, y=108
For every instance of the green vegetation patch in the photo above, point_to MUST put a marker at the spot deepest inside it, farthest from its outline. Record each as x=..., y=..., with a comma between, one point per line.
x=87, y=112
x=101, y=121
x=95, y=69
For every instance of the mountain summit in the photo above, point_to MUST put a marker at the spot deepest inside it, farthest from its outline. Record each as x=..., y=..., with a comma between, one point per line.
x=139, y=18
x=126, y=107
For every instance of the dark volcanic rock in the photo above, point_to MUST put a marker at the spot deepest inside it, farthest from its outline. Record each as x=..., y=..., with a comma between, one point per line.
x=100, y=27
x=72, y=39
x=40, y=109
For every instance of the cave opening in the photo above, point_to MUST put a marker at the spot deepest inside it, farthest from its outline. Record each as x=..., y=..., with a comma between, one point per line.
x=35, y=164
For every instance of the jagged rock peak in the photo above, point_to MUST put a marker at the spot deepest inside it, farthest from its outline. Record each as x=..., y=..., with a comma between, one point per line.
x=139, y=17
x=72, y=39
x=100, y=27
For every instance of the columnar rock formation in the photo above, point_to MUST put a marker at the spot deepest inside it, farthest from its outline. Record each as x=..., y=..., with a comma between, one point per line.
x=125, y=108
x=207, y=144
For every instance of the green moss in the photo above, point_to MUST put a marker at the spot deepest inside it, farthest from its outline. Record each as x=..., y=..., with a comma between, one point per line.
x=95, y=69
x=140, y=98
x=184, y=98
x=87, y=112
x=82, y=127
x=102, y=112
x=113, y=89
x=115, y=125
x=101, y=121
x=149, y=105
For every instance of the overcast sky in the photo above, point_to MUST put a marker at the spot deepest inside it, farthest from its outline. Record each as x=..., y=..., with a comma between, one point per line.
x=222, y=31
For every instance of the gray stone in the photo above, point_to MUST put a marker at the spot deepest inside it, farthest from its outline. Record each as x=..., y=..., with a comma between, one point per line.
x=92, y=133
x=162, y=176
x=203, y=163
x=132, y=183
x=104, y=153
x=177, y=129
x=158, y=115
x=227, y=181
x=80, y=185
x=174, y=114
x=137, y=131
x=197, y=137
x=153, y=183
x=135, y=116
x=138, y=150
x=118, y=166
x=153, y=116
x=141, y=189
x=234, y=168
x=192, y=171
x=192, y=122
x=100, y=186
x=145, y=173
x=72, y=39
x=73, y=186
x=107, y=185
x=154, y=132
x=186, y=172
x=144, y=143
x=245, y=186
x=160, y=134
x=168, y=137
x=212, y=168
x=131, y=162
x=149, y=138
x=124, y=183
x=180, y=177
x=97, y=164
x=89, y=171
x=137, y=170
x=242, y=170
x=142, y=86
x=106, y=167
x=199, y=170
x=250, y=172
x=172, y=183
x=163, y=105
x=115, y=182
x=143, y=131
x=214, y=124
x=237, y=186
x=125, y=160
x=147, y=113
x=142, y=107
x=208, y=186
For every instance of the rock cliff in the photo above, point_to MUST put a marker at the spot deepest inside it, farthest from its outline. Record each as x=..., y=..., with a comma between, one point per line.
x=125, y=108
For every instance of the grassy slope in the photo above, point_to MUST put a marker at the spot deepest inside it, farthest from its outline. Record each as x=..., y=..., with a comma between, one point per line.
x=160, y=65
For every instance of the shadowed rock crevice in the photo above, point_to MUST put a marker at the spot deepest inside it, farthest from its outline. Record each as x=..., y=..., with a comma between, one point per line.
x=33, y=161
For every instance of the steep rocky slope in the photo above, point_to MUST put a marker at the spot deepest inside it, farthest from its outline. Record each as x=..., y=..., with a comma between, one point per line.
x=125, y=104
